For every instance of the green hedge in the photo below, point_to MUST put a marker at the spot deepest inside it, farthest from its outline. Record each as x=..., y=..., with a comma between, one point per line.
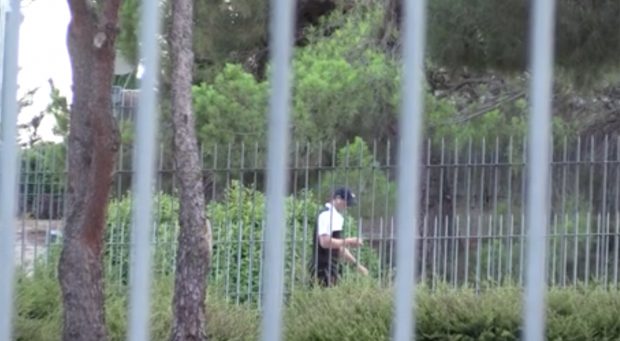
x=364, y=312
x=355, y=310
x=237, y=226
x=39, y=311
x=118, y=236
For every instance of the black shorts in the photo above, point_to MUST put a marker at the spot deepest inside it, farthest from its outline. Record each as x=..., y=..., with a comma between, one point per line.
x=327, y=276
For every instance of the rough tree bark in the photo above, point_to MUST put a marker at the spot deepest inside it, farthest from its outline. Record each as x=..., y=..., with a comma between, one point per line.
x=195, y=236
x=92, y=146
x=388, y=34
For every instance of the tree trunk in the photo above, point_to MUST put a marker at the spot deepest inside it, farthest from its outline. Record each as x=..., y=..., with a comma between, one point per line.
x=194, y=250
x=92, y=145
x=388, y=33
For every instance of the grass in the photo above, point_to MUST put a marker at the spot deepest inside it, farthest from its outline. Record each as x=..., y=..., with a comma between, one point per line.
x=355, y=310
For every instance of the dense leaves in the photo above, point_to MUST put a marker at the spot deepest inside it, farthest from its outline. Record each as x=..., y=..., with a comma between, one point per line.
x=238, y=232
x=354, y=311
x=495, y=34
x=343, y=88
x=231, y=109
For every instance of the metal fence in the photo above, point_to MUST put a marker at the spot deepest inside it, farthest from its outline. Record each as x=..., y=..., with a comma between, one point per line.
x=482, y=221
x=8, y=160
x=472, y=206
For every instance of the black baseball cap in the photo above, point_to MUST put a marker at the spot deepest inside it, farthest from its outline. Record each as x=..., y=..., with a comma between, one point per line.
x=347, y=194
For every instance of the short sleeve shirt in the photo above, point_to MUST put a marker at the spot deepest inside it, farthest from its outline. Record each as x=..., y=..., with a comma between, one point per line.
x=329, y=221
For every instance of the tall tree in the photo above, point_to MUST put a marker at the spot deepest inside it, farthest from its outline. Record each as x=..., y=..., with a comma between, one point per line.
x=388, y=33
x=231, y=32
x=487, y=34
x=92, y=147
x=193, y=256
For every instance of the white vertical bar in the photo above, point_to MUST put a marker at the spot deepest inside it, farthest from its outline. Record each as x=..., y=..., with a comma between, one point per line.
x=281, y=36
x=8, y=170
x=414, y=36
x=144, y=167
x=3, y=23
x=541, y=61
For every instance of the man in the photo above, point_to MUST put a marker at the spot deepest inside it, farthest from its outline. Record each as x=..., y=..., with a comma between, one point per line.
x=329, y=247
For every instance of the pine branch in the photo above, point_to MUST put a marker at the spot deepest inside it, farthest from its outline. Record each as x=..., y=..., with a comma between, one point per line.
x=485, y=109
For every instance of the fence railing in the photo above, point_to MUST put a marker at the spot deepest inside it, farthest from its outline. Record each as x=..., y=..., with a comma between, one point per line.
x=469, y=209
x=472, y=211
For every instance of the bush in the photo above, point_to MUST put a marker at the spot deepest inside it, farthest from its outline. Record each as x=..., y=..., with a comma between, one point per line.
x=42, y=181
x=354, y=310
x=237, y=225
x=362, y=311
x=39, y=311
x=238, y=222
x=38, y=302
x=357, y=168
x=118, y=236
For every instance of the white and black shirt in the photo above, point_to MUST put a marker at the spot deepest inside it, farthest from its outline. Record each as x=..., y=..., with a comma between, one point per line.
x=326, y=260
x=329, y=221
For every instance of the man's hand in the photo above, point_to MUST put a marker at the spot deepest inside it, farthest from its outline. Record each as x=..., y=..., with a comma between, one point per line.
x=353, y=242
x=361, y=269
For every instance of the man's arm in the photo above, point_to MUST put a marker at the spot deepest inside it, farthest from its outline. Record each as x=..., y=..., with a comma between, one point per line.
x=329, y=242
x=348, y=256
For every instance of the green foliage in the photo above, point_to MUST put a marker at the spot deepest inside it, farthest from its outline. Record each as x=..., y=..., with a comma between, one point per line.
x=336, y=81
x=227, y=32
x=491, y=125
x=238, y=229
x=331, y=92
x=42, y=179
x=39, y=310
x=357, y=168
x=59, y=108
x=45, y=160
x=223, y=33
x=355, y=310
x=118, y=236
x=129, y=19
x=237, y=225
x=343, y=78
x=363, y=312
x=344, y=87
x=230, y=110
x=478, y=33
x=491, y=34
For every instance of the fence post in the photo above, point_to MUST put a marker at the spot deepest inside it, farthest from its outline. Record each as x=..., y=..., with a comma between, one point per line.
x=281, y=28
x=144, y=166
x=8, y=169
x=538, y=167
x=408, y=167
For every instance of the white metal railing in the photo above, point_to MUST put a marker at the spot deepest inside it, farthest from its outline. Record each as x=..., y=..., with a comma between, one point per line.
x=281, y=34
x=3, y=12
x=282, y=24
x=414, y=37
x=539, y=147
x=144, y=163
x=8, y=169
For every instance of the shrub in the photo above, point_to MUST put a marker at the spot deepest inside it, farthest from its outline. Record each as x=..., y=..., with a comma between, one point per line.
x=118, y=236
x=238, y=222
x=357, y=168
x=39, y=311
x=237, y=225
x=363, y=311
x=354, y=310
